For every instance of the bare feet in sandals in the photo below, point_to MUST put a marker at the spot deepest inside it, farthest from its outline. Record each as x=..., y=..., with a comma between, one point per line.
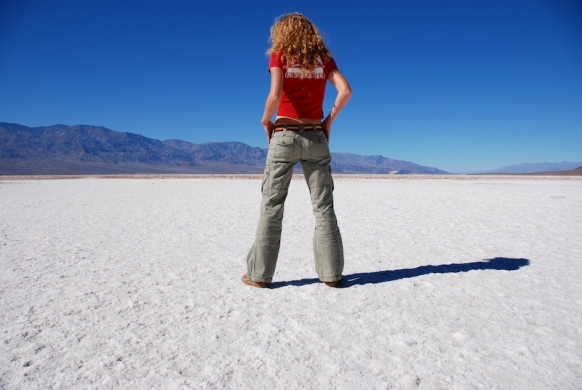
x=246, y=280
x=333, y=284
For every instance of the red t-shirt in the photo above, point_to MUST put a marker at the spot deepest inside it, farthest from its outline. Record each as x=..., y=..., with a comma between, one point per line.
x=302, y=96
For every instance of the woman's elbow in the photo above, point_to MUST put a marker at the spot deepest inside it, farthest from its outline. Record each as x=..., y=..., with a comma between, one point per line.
x=346, y=91
x=275, y=97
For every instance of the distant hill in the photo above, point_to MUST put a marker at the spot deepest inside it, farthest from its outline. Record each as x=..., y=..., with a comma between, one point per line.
x=570, y=172
x=537, y=167
x=354, y=163
x=82, y=149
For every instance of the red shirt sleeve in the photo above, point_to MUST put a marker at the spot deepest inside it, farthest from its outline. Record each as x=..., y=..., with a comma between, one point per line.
x=275, y=61
x=328, y=66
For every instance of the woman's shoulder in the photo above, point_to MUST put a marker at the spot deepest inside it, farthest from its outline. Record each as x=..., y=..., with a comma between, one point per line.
x=328, y=63
x=279, y=54
x=277, y=58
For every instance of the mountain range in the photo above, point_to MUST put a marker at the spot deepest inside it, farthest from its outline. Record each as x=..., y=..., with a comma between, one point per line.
x=538, y=167
x=83, y=149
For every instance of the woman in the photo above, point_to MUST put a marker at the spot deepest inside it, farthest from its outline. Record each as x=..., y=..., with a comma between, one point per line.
x=300, y=65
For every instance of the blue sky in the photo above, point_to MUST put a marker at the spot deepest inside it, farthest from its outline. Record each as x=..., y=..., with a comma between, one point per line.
x=459, y=85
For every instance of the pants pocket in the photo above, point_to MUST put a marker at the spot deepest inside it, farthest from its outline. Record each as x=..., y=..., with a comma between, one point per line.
x=265, y=179
x=318, y=146
x=284, y=147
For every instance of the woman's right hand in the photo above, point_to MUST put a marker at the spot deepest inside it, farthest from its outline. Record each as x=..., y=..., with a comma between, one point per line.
x=326, y=124
x=344, y=93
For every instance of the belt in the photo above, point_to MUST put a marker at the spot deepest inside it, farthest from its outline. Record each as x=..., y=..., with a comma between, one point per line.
x=311, y=127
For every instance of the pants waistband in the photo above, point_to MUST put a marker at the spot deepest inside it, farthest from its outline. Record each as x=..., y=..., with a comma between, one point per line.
x=300, y=128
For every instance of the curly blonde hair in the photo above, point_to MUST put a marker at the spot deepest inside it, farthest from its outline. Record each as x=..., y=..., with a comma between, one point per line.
x=298, y=40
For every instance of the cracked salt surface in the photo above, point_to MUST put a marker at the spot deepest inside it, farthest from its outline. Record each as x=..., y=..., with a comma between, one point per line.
x=131, y=283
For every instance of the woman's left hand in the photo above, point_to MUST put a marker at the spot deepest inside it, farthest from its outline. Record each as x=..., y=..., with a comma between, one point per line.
x=268, y=129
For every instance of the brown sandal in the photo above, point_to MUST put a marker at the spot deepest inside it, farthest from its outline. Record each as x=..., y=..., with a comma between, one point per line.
x=246, y=280
x=333, y=284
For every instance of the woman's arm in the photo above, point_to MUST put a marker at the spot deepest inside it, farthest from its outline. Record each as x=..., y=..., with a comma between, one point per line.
x=344, y=92
x=273, y=100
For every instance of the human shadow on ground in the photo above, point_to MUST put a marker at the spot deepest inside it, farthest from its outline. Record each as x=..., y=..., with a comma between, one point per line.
x=497, y=263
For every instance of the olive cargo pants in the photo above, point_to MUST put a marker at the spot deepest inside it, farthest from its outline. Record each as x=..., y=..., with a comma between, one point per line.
x=285, y=150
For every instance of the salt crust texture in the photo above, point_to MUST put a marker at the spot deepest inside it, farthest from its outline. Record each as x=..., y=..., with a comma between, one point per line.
x=120, y=283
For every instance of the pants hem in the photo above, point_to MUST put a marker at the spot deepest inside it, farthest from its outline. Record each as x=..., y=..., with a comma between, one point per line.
x=334, y=278
x=259, y=279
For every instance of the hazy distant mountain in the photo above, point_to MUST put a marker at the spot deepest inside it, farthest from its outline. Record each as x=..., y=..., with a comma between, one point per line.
x=354, y=163
x=538, y=167
x=82, y=149
x=235, y=153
